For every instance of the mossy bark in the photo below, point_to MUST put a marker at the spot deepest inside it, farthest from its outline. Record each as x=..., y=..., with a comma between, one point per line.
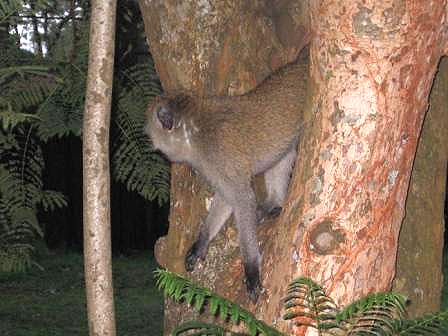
x=419, y=260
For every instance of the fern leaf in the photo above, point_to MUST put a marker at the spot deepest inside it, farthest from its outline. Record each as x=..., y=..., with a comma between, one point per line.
x=51, y=200
x=393, y=301
x=199, y=297
x=8, y=8
x=431, y=324
x=134, y=161
x=307, y=304
x=200, y=328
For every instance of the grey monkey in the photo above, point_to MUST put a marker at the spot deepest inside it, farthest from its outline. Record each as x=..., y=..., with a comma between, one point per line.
x=228, y=140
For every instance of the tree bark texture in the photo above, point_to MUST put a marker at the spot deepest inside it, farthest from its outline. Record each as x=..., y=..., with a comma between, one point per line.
x=214, y=47
x=372, y=65
x=96, y=177
x=420, y=247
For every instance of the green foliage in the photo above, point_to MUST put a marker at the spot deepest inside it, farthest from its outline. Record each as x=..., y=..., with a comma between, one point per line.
x=21, y=192
x=181, y=289
x=42, y=98
x=197, y=328
x=306, y=304
x=134, y=162
x=315, y=308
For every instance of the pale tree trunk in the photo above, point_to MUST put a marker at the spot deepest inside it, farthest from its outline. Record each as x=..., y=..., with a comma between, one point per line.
x=420, y=247
x=372, y=66
x=96, y=177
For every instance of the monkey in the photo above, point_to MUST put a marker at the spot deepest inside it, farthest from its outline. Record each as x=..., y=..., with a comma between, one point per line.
x=229, y=140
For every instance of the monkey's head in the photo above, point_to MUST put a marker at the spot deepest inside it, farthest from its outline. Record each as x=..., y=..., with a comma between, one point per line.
x=167, y=127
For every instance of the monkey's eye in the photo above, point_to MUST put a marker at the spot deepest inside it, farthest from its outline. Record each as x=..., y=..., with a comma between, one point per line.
x=165, y=117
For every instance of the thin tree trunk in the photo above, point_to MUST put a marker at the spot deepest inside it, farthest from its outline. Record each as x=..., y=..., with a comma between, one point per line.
x=36, y=35
x=96, y=177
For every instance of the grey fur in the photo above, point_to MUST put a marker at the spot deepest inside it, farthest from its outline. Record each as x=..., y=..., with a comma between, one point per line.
x=229, y=140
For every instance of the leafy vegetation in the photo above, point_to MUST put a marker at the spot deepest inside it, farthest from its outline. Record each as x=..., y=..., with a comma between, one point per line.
x=43, y=98
x=306, y=304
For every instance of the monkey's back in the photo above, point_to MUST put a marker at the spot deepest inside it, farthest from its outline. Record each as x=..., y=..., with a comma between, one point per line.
x=257, y=128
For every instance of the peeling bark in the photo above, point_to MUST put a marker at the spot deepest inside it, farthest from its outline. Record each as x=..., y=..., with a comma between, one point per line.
x=96, y=175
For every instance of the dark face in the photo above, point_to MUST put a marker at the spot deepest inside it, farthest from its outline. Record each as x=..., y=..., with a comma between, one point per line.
x=167, y=129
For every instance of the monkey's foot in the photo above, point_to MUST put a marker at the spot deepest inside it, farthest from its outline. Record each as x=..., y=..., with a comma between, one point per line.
x=192, y=257
x=265, y=213
x=253, y=283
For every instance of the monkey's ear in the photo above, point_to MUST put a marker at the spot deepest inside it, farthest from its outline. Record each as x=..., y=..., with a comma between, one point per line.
x=166, y=117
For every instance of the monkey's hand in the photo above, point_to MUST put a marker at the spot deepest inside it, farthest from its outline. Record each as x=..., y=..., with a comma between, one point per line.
x=253, y=283
x=265, y=212
x=192, y=256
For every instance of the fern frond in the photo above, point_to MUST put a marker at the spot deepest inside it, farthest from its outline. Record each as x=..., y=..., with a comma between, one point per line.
x=22, y=71
x=197, y=328
x=181, y=289
x=9, y=119
x=8, y=8
x=15, y=257
x=134, y=162
x=21, y=165
x=374, y=314
x=390, y=301
x=307, y=304
x=51, y=200
x=431, y=324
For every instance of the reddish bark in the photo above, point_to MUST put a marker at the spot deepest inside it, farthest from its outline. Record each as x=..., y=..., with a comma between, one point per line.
x=372, y=65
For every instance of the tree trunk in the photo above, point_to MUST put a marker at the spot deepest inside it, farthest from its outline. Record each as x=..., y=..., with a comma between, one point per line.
x=96, y=177
x=419, y=260
x=371, y=67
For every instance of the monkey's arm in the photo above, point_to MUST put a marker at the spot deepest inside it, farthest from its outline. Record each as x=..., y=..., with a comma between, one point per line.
x=217, y=216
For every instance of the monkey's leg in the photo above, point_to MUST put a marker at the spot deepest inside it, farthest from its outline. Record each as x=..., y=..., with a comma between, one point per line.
x=277, y=181
x=217, y=216
x=244, y=205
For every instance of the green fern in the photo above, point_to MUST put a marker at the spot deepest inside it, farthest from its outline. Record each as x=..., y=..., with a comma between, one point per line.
x=8, y=8
x=21, y=192
x=197, y=328
x=430, y=324
x=181, y=289
x=134, y=162
x=306, y=304
x=376, y=312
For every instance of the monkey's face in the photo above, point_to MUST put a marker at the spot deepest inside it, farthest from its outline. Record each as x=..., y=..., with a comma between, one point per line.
x=168, y=131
